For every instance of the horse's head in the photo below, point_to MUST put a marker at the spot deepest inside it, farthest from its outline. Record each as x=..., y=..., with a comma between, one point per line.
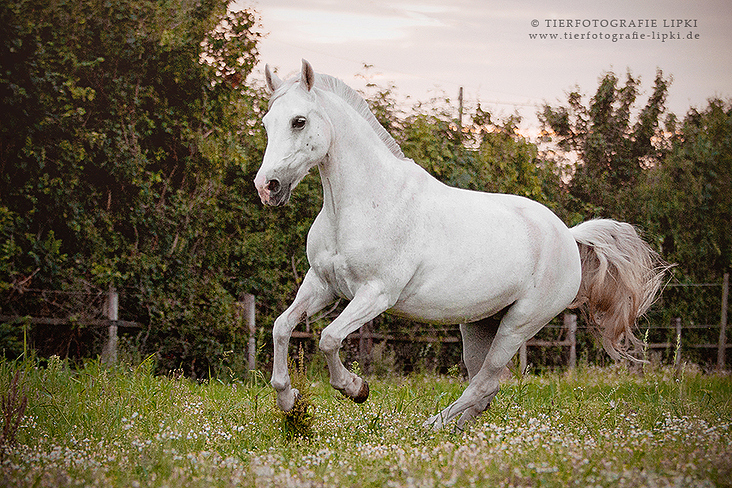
x=298, y=136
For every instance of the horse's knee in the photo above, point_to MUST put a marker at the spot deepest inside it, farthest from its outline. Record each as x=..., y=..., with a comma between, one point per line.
x=280, y=331
x=328, y=343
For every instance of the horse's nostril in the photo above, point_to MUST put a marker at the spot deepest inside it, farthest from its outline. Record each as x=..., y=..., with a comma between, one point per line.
x=274, y=186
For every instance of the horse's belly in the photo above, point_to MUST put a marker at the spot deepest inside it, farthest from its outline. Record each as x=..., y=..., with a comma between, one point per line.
x=444, y=310
x=463, y=289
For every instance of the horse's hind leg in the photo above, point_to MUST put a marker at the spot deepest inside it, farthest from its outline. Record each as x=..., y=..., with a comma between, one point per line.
x=522, y=321
x=477, y=339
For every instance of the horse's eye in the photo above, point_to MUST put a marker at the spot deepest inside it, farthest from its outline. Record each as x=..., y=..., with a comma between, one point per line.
x=298, y=122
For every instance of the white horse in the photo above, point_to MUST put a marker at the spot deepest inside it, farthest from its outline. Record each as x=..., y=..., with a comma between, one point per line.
x=391, y=238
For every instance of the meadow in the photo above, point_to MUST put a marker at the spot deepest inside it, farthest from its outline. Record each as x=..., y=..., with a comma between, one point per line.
x=90, y=425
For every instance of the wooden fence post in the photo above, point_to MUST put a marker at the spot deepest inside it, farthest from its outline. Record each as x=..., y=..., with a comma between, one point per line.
x=248, y=304
x=722, y=345
x=570, y=322
x=111, y=306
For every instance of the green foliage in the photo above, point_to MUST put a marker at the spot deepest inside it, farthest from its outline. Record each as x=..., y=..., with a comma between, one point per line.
x=12, y=408
x=480, y=155
x=673, y=183
x=692, y=192
x=690, y=213
x=120, y=159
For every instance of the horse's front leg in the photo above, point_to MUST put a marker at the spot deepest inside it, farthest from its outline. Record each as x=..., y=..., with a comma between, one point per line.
x=312, y=296
x=370, y=301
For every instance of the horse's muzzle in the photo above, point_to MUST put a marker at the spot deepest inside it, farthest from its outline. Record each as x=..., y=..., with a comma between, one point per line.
x=273, y=192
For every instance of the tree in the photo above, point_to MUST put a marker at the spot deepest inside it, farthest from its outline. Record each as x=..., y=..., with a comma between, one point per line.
x=121, y=140
x=689, y=202
x=691, y=193
x=612, y=151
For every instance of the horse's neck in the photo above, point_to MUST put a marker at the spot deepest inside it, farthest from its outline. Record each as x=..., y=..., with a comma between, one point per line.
x=359, y=166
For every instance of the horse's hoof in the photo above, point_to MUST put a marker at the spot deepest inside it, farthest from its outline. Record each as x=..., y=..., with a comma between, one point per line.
x=363, y=393
x=434, y=422
x=296, y=399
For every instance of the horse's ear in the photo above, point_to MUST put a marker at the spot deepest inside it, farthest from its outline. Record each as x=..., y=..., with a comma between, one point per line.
x=307, y=76
x=273, y=81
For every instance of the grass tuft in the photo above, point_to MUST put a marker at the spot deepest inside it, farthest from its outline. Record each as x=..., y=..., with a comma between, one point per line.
x=297, y=423
x=13, y=404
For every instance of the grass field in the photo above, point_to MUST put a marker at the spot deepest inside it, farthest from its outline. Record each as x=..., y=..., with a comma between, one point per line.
x=124, y=427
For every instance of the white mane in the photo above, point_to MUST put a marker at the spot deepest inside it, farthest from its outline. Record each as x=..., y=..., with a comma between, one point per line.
x=354, y=100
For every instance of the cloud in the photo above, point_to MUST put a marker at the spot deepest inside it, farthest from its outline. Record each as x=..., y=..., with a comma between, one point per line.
x=485, y=47
x=321, y=25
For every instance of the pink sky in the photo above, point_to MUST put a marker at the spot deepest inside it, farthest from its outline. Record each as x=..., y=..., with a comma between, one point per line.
x=428, y=47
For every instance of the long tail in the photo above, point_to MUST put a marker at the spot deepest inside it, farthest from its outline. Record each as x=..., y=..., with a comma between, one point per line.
x=621, y=278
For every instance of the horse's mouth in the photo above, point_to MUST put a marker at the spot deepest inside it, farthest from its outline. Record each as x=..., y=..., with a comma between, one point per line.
x=280, y=198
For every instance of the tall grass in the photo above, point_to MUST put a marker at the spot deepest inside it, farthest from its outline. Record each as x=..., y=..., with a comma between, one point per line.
x=125, y=427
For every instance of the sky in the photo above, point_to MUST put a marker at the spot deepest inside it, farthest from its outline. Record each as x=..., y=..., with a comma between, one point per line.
x=495, y=50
